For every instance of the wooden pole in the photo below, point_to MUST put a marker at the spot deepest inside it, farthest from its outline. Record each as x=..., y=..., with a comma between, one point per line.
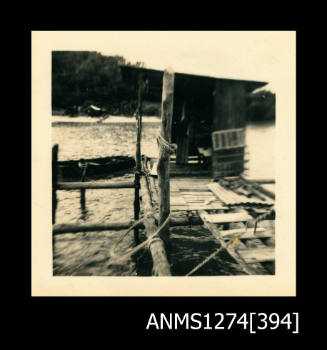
x=164, y=156
x=54, y=181
x=157, y=247
x=216, y=233
x=138, y=156
x=119, y=225
x=93, y=185
x=83, y=207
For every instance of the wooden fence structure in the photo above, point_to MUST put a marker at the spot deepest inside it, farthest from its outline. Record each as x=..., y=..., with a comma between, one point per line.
x=156, y=204
x=159, y=243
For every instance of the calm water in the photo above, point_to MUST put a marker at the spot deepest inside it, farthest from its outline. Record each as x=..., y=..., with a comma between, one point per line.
x=90, y=253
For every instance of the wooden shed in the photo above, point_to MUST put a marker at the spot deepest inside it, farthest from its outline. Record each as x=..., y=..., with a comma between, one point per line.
x=209, y=118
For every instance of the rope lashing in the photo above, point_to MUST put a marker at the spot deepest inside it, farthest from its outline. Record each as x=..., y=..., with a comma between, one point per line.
x=149, y=241
x=170, y=148
x=211, y=256
x=233, y=241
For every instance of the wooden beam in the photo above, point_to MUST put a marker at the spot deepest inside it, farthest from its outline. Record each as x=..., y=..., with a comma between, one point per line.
x=157, y=247
x=58, y=229
x=259, y=188
x=138, y=155
x=163, y=161
x=262, y=181
x=258, y=255
x=93, y=185
x=216, y=233
x=227, y=217
x=91, y=227
x=54, y=181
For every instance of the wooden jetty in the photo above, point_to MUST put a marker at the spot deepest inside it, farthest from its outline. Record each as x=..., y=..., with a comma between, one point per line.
x=191, y=175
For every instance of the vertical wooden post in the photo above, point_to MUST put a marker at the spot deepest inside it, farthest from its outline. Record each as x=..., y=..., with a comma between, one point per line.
x=164, y=156
x=82, y=199
x=183, y=137
x=54, y=181
x=138, y=157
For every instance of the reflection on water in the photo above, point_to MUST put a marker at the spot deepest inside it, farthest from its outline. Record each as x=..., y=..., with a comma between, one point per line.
x=88, y=254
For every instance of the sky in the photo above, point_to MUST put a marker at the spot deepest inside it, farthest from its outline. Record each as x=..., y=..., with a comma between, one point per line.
x=245, y=55
x=267, y=56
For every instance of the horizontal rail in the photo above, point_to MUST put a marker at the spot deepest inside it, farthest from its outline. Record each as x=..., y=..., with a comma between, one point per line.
x=94, y=185
x=117, y=226
x=262, y=181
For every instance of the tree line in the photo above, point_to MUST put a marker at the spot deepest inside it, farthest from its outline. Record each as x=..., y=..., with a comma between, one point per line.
x=84, y=78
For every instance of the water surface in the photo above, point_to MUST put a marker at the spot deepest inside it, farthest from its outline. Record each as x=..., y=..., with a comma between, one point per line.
x=90, y=254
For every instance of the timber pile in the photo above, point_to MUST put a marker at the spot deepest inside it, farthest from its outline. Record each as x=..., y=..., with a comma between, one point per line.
x=254, y=249
x=248, y=249
x=240, y=195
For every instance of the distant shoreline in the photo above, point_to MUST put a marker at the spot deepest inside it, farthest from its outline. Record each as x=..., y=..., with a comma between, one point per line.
x=58, y=119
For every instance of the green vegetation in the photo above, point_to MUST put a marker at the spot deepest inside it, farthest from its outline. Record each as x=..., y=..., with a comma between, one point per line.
x=261, y=106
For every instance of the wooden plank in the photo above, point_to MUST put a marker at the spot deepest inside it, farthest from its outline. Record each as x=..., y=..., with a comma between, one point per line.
x=260, y=233
x=198, y=206
x=262, y=181
x=216, y=233
x=93, y=185
x=177, y=201
x=259, y=188
x=256, y=266
x=54, y=181
x=258, y=255
x=227, y=217
x=231, y=198
x=255, y=243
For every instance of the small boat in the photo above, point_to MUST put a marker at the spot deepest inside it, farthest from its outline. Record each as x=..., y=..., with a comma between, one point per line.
x=74, y=169
x=94, y=111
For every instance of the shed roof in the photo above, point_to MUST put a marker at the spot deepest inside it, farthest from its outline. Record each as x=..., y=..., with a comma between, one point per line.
x=131, y=73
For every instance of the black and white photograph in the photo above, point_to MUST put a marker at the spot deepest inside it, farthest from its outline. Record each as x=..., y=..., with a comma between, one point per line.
x=165, y=160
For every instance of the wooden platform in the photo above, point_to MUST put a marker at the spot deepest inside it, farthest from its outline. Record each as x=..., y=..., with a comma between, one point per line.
x=227, y=214
x=253, y=252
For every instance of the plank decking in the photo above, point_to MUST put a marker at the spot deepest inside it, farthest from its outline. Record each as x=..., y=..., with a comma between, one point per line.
x=250, y=249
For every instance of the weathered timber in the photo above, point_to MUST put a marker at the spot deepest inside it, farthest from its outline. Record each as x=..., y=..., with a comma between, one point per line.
x=163, y=161
x=258, y=254
x=216, y=233
x=227, y=217
x=260, y=188
x=157, y=247
x=120, y=225
x=262, y=181
x=138, y=156
x=229, y=107
x=154, y=192
x=256, y=266
x=241, y=232
x=91, y=227
x=93, y=185
x=54, y=181
x=82, y=199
